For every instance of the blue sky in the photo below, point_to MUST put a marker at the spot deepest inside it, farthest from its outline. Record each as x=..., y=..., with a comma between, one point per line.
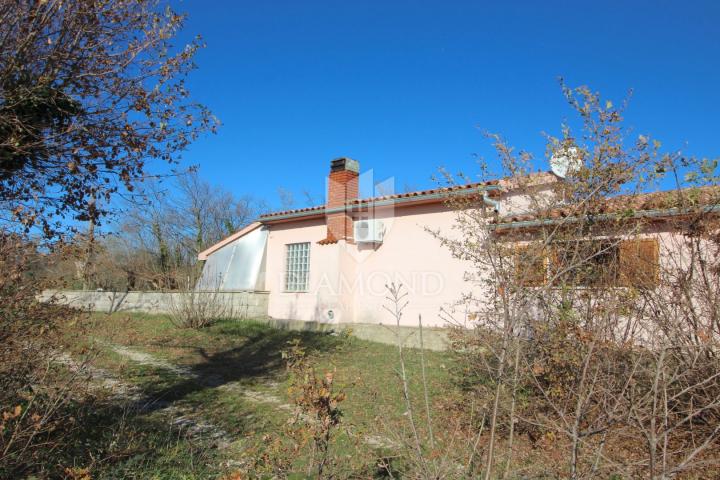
x=406, y=87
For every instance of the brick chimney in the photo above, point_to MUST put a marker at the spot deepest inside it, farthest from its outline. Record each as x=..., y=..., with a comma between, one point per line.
x=342, y=188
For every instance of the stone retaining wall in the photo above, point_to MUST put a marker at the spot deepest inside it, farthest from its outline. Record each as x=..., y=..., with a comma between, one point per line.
x=243, y=304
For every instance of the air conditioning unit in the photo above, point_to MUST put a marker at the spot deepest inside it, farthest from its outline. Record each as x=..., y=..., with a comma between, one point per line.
x=368, y=231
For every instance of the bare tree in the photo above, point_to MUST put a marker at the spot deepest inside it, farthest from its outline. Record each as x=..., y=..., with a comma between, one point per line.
x=287, y=199
x=164, y=228
x=205, y=214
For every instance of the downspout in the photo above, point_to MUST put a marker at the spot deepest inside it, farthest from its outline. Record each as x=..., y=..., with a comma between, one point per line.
x=490, y=202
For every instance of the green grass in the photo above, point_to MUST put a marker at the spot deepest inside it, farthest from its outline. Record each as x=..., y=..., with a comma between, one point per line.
x=232, y=358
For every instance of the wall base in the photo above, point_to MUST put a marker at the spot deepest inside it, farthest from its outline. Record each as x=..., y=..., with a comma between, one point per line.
x=433, y=338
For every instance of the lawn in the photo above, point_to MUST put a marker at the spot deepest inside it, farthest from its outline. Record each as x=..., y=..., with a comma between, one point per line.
x=231, y=376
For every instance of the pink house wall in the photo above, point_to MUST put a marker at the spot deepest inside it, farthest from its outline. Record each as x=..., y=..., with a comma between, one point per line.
x=350, y=279
x=411, y=255
x=324, y=272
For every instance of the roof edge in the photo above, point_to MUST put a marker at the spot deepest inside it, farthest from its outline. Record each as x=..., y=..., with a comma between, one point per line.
x=229, y=239
x=355, y=205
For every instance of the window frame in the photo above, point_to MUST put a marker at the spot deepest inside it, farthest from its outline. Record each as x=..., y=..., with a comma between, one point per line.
x=297, y=263
x=606, y=254
x=622, y=275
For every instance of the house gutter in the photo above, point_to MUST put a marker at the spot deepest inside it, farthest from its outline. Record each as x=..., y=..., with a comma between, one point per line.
x=391, y=201
x=670, y=212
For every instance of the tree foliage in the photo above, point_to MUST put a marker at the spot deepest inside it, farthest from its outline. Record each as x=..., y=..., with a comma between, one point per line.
x=90, y=92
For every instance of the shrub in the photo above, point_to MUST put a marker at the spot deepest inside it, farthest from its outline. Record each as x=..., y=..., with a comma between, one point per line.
x=38, y=397
x=192, y=308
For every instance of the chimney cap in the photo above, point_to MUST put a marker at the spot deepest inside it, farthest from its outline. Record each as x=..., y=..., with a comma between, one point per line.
x=345, y=163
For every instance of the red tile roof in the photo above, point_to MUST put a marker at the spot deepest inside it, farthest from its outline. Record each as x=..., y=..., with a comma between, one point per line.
x=409, y=195
x=308, y=210
x=328, y=241
x=643, y=202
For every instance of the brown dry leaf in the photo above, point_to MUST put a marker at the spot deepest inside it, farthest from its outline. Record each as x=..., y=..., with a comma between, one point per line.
x=234, y=476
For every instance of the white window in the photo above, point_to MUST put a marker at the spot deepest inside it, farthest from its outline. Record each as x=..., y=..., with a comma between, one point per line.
x=297, y=267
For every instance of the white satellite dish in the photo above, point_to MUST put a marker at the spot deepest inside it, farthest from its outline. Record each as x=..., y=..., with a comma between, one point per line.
x=564, y=161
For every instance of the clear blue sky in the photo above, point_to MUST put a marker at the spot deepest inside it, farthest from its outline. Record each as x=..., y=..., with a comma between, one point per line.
x=407, y=86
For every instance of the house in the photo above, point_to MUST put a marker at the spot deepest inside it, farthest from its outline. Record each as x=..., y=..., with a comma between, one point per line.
x=332, y=263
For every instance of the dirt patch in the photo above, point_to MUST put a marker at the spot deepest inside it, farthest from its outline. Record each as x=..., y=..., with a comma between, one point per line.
x=184, y=419
x=191, y=421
